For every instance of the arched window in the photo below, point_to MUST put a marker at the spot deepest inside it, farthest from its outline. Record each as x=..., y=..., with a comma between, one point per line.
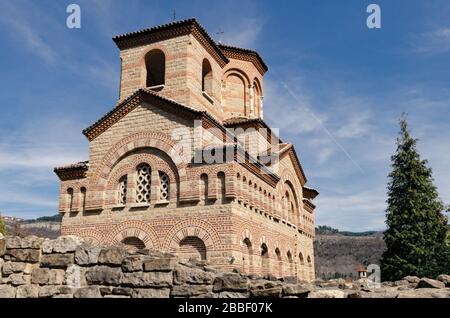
x=83, y=198
x=164, y=186
x=134, y=241
x=289, y=256
x=309, y=261
x=204, y=187
x=292, y=212
x=292, y=204
x=286, y=207
x=264, y=258
x=155, y=64
x=122, y=190
x=291, y=263
x=235, y=95
x=143, y=186
x=302, y=260
x=280, y=262
x=278, y=253
x=207, y=77
x=192, y=247
x=221, y=186
x=256, y=99
x=247, y=258
x=264, y=251
x=69, y=199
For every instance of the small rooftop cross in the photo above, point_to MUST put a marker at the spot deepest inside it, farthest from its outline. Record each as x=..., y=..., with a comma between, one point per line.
x=219, y=33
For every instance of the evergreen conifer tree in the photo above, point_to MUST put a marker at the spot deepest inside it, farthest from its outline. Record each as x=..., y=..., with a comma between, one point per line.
x=416, y=225
x=3, y=229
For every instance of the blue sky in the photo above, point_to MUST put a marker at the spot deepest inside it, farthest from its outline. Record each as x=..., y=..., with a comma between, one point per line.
x=334, y=88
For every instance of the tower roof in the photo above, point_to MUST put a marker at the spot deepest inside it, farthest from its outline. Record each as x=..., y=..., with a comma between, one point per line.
x=246, y=55
x=220, y=51
x=170, y=30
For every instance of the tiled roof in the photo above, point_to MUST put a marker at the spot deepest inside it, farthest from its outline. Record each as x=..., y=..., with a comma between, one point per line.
x=235, y=121
x=72, y=172
x=168, y=26
x=283, y=147
x=113, y=115
x=244, y=51
x=79, y=165
x=310, y=193
x=238, y=121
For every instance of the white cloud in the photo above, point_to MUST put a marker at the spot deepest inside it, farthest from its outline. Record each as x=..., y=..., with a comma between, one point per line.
x=324, y=154
x=12, y=17
x=432, y=42
x=43, y=142
x=28, y=198
x=243, y=33
x=357, y=126
x=355, y=210
x=291, y=116
x=27, y=159
x=40, y=34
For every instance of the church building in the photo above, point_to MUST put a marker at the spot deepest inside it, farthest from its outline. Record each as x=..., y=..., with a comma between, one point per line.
x=185, y=162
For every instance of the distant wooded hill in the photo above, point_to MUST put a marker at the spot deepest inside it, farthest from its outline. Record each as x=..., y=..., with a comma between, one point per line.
x=53, y=218
x=339, y=253
x=328, y=230
x=46, y=226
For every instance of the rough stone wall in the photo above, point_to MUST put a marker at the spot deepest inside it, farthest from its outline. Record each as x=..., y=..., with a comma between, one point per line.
x=70, y=268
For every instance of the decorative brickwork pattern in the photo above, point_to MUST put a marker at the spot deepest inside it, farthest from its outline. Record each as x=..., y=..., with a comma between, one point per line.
x=143, y=186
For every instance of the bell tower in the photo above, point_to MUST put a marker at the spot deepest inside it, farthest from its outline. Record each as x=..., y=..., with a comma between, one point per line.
x=181, y=62
x=178, y=61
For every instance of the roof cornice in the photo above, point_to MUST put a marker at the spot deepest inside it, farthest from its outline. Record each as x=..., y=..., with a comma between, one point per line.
x=257, y=123
x=130, y=103
x=290, y=150
x=72, y=172
x=310, y=193
x=238, y=53
x=171, y=30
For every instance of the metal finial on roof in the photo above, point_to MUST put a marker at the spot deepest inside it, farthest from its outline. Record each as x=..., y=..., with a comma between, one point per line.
x=220, y=32
x=174, y=18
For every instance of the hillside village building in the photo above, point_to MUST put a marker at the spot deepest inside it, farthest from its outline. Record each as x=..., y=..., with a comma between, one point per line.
x=184, y=162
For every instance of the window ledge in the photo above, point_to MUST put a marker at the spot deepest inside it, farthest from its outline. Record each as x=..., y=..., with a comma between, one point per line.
x=140, y=205
x=156, y=88
x=209, y=98
x=118, y=206
x=162, y=202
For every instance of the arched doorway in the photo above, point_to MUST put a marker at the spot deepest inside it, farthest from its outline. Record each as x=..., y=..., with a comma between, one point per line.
x=134, y=241
x=192, y=248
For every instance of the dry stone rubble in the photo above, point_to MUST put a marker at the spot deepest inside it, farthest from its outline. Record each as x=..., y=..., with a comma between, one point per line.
x=68, y=267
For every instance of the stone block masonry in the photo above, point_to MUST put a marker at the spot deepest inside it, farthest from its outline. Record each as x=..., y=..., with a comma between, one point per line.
x=68, y=267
